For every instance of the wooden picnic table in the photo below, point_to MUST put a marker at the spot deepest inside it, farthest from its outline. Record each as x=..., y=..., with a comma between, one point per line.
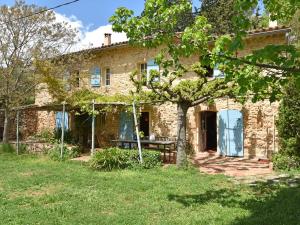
x=162, y=146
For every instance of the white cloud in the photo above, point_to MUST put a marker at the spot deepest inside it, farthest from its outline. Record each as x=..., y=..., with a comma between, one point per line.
x=96, y=37
x=90, y=38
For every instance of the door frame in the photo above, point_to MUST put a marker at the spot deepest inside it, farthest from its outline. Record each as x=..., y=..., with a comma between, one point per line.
x=202, y=134
x=150, y=120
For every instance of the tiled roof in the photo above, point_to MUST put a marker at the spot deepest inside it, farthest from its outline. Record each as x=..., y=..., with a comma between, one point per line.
x=268, y=30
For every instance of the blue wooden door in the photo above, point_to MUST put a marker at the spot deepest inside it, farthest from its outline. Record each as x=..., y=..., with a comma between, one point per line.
x=126, y=126
x=231, y=139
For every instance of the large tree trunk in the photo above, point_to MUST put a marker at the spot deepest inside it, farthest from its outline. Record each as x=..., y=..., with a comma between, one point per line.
x=182, y=109
x=6, y=126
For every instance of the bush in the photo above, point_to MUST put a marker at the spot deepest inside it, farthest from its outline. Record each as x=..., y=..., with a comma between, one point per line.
x=115, y=158
x=68, y=153
x=283, y=161
x=68, y=136
x=288, y=123
x=7, y=148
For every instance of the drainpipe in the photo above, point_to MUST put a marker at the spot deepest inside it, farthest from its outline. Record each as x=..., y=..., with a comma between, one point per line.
x=274, y=130
x=62, y=131
x=93, y=129
x=18, y=145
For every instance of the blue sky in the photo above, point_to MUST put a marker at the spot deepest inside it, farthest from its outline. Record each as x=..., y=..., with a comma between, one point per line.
x=93, y=13
x=90, y=17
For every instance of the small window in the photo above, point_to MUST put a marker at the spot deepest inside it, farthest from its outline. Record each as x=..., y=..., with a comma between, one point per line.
x=66, y=80
x=143, y=70
x=107, y=77
x=96, y=77
x=77, y=78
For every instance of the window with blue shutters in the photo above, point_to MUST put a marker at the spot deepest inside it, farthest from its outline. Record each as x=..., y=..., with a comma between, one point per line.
x=59, y=120
x=95, y=77
x=218, y=73
x=152, y=66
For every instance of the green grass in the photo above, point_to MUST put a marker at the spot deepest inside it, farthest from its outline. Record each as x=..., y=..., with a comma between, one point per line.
x=38, y=191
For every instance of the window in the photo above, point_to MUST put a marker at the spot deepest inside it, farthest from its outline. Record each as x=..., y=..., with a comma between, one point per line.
x=96, y=77
x=66, y=80
x=143, y=70
x=107, y=77
x=77, y=78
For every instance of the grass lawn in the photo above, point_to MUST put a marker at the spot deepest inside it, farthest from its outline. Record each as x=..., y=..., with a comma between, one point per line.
x=38, y=191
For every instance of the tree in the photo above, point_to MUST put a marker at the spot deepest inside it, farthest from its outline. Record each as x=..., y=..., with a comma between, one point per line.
x=26, y=38
x=259, y=75
x=185, y=18
x=264, y=72
x=288, y=123
x=294, y=23
x=219, y=14
x=173, y=87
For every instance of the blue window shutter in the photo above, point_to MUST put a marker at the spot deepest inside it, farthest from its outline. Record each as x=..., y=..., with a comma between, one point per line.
x=151, y=65
x=218, y=73
x=59, y=120
x=96, y=77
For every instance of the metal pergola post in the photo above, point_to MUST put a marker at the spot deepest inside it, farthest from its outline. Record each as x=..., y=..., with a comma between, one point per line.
x=17, y=134
x=62, y=130
x=93, y=129
x=137, y=132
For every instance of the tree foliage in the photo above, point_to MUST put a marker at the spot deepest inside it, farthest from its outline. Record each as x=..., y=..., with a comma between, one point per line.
x=288, y=123
x=219, y=14
x=176, y=47
x=26, y=37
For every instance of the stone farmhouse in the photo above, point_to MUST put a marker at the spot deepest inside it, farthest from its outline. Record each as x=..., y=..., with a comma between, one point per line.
x=227, y=127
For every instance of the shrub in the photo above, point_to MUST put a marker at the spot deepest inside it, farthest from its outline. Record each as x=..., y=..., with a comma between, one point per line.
x=68, y=153
x=46, y=135
x=288, y=123
x=68, y=136
x=7, y=148
x=283, y=161
x=115, y=158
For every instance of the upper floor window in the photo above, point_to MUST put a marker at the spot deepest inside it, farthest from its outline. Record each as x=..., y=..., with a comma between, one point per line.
x=66, y=80
x=95, y=77
x=77, y=78
x=107, y=77
x=143, y=68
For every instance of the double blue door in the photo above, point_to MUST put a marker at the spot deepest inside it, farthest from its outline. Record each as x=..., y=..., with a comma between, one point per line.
x=230, y=135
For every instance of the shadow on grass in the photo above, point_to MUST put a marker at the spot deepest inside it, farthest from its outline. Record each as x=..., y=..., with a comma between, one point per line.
x=267, y=204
